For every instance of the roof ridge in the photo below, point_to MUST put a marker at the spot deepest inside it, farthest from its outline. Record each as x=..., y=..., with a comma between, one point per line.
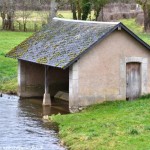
x=83, y=21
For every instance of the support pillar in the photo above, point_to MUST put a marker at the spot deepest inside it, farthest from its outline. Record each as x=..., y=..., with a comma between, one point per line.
x=46, y=98
x=46, y=110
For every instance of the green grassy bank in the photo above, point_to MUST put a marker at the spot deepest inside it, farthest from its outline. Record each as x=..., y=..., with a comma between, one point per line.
x=117, y=125
x=8, y=67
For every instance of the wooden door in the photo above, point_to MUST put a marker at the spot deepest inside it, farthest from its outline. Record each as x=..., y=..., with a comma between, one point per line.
x=133, y=80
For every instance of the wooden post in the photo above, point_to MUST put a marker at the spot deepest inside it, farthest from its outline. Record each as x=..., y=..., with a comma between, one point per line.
x=46, y=99
x=46, y=80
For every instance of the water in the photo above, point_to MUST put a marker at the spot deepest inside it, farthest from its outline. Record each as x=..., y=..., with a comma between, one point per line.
x=22, y=126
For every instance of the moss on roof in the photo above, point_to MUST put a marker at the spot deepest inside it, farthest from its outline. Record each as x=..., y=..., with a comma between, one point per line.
x=60, y=42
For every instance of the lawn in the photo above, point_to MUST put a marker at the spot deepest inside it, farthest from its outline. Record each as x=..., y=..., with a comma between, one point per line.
x=8, y=67
x=116, y=125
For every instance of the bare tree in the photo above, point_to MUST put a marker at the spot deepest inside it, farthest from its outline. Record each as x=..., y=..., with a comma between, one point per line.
x=24, y=13
x=44, y=7
x=7, y=12
x=55, y=5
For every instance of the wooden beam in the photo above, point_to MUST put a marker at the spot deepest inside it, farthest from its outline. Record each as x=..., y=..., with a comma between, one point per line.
x=46, y=98
x=46, y=80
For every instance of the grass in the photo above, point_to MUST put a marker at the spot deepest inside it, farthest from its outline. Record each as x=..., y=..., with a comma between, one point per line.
x=65, y=14
x=137, y=29
x=116, y=125
x=8, y=67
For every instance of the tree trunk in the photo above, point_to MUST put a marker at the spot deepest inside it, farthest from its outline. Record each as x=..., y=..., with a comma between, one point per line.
x=7, y=21
x=79, y=10
x=19, y=26
x=24, y=27
x=53, y=10
x=10, y=21
x=102, y=14
x=73, y=8
x=86, y=8
x=97, y=12
x=146, y=10
x=3, y=20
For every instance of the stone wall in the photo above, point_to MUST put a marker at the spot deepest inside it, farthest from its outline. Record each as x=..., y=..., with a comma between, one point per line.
x=140, y=18
x=116, y=11
x=73, y=87
x=31, y=79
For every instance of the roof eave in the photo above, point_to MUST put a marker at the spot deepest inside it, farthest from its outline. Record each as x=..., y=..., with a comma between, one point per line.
x=39, y=63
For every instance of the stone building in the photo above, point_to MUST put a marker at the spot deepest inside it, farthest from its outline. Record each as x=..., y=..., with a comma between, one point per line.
x=92, y=61
x=117, y=11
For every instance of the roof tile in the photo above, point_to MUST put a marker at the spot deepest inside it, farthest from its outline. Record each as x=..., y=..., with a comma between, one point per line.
x=60, y=42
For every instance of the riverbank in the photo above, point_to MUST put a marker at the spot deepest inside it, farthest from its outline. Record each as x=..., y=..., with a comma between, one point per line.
x=111, y=125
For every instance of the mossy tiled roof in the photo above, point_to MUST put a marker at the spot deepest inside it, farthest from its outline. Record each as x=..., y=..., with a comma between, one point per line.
x=61, y=42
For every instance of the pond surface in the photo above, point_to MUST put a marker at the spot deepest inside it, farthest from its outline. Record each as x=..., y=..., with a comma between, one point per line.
x=22, y=126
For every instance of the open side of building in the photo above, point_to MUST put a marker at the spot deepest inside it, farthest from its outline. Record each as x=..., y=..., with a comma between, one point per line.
x=92, y=61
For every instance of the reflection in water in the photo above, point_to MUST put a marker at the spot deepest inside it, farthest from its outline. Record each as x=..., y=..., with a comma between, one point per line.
x=21, y=125
x=46, y=110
